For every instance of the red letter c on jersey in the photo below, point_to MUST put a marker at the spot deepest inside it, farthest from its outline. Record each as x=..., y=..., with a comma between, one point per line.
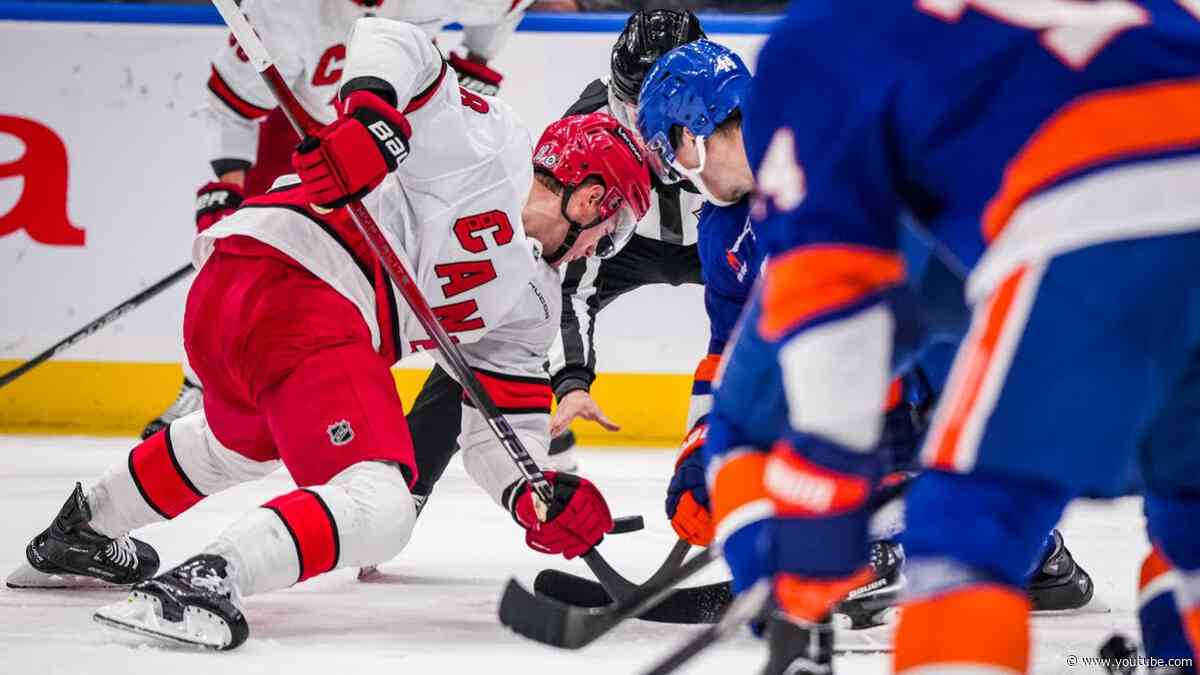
x=41, y=209
x=328, y=69
x=470, y=229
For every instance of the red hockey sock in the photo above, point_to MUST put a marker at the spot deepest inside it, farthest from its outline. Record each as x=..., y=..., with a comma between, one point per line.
x=313, y=530
x=159, y=478
x=983, y=628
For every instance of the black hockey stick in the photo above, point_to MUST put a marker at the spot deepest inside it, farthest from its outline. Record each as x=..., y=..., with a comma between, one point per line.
x=612, y=583
x=749, y=606
x=553, y=623
x=692, y=605
x=698, y=604
x=105, y=319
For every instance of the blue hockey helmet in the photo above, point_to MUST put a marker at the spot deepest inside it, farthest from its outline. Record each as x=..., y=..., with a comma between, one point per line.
x=696, y=86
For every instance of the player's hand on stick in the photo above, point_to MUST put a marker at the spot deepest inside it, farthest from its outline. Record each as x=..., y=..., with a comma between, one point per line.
x=350, y=157
x=216, y=200
x=579, y=403
x=687, y=505
x=475, y=75
x=575, y=520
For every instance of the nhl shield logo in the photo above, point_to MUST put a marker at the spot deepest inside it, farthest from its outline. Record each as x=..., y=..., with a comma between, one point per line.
x=340, y=432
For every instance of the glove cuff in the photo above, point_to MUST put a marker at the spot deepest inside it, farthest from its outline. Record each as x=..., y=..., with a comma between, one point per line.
x=388, y=129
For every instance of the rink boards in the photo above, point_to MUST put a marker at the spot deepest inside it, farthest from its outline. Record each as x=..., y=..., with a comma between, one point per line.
x=102, y=149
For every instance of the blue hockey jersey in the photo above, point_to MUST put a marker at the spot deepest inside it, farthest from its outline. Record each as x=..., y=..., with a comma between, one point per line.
x=1010, y=130
x=730, y=261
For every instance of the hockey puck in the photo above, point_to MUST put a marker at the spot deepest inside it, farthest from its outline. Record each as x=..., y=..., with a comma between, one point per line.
x=627, y=524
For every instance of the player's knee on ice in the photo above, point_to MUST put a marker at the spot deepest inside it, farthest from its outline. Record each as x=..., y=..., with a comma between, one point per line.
x=362, y=516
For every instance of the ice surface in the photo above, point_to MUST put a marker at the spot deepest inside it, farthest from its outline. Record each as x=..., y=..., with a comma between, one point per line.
x=433, y=611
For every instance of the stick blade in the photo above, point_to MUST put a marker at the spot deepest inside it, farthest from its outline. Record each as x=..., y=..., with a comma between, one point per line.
x=543, y=619
x=692, y=605
x=570, y=589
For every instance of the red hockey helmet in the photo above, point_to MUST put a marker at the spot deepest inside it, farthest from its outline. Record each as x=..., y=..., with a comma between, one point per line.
x=580, y=146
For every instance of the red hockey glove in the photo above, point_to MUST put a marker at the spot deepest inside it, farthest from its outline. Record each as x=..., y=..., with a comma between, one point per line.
x=366, y=143
x=576, y=520
x=688, y=506
x=475, y=77
x=214, y=201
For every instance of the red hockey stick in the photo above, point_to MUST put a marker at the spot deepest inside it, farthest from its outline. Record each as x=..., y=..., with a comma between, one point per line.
x=305, y=126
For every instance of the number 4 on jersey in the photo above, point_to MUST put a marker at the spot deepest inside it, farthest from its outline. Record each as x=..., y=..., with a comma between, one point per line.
x=1073, y=30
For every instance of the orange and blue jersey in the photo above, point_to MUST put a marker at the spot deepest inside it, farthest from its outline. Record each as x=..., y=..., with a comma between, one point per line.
x=730, y=261
x=1009, y=132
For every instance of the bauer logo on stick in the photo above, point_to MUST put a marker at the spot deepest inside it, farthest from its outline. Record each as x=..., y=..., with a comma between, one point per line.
x=340, y=432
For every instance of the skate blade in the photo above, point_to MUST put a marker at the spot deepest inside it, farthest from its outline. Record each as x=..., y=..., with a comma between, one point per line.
x=27, y=577
x=141, y=614
x=875, y=640
x=368, y=573
x=1096, y=605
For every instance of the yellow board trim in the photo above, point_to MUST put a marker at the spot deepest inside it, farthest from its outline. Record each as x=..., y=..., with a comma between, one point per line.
x=116, y=399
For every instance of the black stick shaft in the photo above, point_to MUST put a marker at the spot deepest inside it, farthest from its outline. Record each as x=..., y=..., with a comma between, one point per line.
x=105, y=319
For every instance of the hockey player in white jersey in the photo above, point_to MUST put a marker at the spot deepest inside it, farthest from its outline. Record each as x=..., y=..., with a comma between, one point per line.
x=250, y=141
x=292, y=326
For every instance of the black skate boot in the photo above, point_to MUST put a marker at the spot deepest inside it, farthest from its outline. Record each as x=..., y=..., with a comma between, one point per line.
x=189, y=400
x=799, y=648
x=870, y=604
x=1059, y=583
x=193, y=604
x=69, y=554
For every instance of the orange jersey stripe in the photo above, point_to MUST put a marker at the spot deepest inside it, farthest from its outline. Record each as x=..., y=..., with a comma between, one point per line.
x=811, y=599
x=738, y=482
x=1191, y=626
x=814, y=280
x=984, y=626
x=706, y=370
x=895, y=394
x=1155, y=565
x=980, y=358
x=1095, y=129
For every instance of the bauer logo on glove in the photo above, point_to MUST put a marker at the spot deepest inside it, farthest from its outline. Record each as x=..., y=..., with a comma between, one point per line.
x=352, y=156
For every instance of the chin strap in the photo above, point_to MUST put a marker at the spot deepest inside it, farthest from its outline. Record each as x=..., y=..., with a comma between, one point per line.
x=693, y=175
x=573, y=231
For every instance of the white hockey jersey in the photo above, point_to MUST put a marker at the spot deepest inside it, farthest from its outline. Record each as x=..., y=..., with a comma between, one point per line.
x=307, y=39
x=452, y=212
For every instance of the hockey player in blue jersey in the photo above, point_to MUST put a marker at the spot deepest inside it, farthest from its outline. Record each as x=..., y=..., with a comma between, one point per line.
x=1053, y=148
x=692, y=120
x=691, y=100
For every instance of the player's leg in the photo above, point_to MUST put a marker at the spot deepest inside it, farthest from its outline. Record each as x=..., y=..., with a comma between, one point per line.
x=1170, y=468
x=164, y=475
x=434, y=422
x=332, y=409
x=340, y=430
x=1015, y=439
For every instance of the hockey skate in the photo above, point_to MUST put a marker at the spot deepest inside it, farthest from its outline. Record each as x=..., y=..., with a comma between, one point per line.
x=194, y=604
x=799, y=648
x=872, y=604
x=69, y=554
x=1059, y=583
x=189, y=400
